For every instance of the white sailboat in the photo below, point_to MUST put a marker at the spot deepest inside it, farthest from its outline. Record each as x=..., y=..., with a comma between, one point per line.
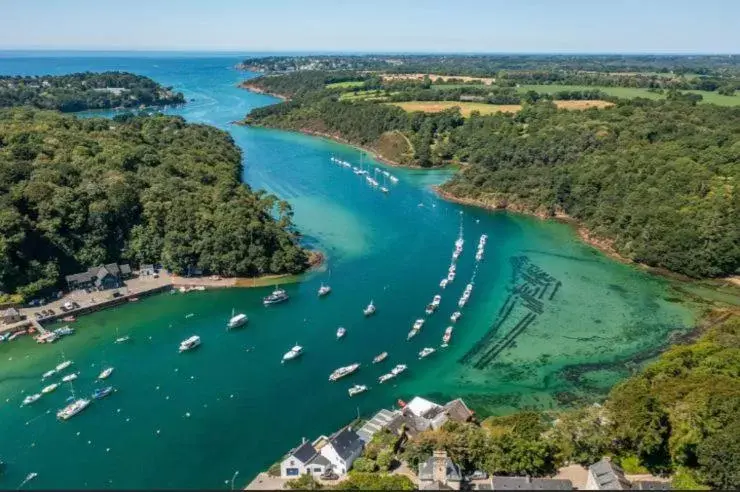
x=236, y=320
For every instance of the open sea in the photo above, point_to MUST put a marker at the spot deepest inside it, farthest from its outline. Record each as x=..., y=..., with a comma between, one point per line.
x=579, y=323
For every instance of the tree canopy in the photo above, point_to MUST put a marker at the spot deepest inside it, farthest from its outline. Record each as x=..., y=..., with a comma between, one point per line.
x=82, y=91
x=78, y=192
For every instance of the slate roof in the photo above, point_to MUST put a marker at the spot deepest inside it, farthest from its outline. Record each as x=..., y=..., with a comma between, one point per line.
x=457, y=410
x=528, y=483
x=345, y=442
x=319, y=459
x=125, y=269
x=304, y=452
x=608, y=476
x=452, y=471
x=380, y=421
x=11, y=312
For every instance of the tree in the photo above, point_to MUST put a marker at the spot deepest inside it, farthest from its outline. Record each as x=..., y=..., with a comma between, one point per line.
x=375, y=481
x=385, y=459
x=718, y=455
x=304, y=482
x=364, y=465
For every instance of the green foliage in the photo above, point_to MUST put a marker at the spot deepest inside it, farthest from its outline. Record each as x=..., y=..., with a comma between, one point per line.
x=304, y=482
x=364, y=465
x=631, y=465
x=385, y=459
x=375, y=481
x=685, y=479
x=79, y=192
x=81, y=91
x=718, y=457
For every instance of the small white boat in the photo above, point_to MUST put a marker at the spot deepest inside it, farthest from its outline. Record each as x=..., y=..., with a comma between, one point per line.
x=455, y=316
x=450, y=277
x=123, y=339
x=380, y=357
x=425, y=352
x=418, y=324
x=386, y=377
x=369, y=310
x=341, y=331
x=73, y=409
x=412, y=334
x=393, y=179
x=384, y=189
x=324, y=290
x=31, y=398
x=189, y=315
x=443, y=283
x=398, y=369
x=106, y=373
x=463, y=300
x=447, y=336
x=293, y=353
x=189, y=343
x=50, y=388
x=455, y=255
x=357, y=389
x=237, y=320
x=277, y=296
x=69, y=377
x=63, y=365
x=48, y=374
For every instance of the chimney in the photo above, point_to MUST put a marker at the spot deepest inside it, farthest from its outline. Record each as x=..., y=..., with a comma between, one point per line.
x=439, y=473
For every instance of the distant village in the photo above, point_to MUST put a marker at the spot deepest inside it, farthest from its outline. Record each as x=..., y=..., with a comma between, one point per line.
x=329, y=459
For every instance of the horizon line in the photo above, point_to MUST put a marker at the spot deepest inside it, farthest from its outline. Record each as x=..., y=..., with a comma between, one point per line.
x=359, y=52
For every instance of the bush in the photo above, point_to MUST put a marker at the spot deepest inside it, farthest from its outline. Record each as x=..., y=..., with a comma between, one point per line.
x=364, y=465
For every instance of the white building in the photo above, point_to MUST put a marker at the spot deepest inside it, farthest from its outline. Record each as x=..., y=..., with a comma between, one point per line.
x=303, y=459
x=341, y=449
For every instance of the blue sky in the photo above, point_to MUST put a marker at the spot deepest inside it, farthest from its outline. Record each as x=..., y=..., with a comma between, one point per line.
x=709, y=26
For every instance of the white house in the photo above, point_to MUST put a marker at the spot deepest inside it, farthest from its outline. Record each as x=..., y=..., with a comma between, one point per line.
x=303, y=459
x=342, y=449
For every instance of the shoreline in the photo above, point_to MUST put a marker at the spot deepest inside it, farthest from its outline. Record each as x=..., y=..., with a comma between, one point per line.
x=257, y=90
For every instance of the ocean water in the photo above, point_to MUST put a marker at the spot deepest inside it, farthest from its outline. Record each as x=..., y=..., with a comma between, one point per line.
x=192, y=420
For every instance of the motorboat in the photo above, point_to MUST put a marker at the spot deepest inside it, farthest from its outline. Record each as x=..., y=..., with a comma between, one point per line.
x=341, y=331
x=48, y=374
x=293, y=353
x=380, y=357
x=369, y=310
x=398, y=369
x=324, y=290
x=237, y=320
x=64, y=331
x=63, y=365
x=447, y=336
x=123, y=339
x=418, y=324
x=277, y=296
x=31, y=398
x=73, y=409
x=412, y=334
x=463, y=300
x=344, y=371
x=443, y=283
x=189, y=343
x=102, y=392
x=357, y=389
x=432, y=307
x=386, y=377
x=50, y=388
x=450, y=277
x=455, y=316
x=70, y=377
x=106, y=373
x=425, y=352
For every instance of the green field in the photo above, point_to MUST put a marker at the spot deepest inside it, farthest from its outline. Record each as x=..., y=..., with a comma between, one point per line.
x=373, y=95
x=631, y=92
x=346, y=85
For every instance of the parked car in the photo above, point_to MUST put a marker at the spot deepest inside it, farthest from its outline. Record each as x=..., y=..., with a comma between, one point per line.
x=51, y=312
x=330, y=476
x=116, y=295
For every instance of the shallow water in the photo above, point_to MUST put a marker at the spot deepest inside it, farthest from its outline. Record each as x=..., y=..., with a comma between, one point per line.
x=192, y=420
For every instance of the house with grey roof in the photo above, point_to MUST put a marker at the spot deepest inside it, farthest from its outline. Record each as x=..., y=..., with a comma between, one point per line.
x=529, y=483
x=303, y=459
x=458, y=411
x=605, y=475
x=651, y=485
x=439, y=473
x=381, y=420
x=342, y=449
x=101, y=277
x=11, y=315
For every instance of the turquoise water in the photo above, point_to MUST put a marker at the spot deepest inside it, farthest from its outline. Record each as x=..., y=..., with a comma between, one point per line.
x=192, y=420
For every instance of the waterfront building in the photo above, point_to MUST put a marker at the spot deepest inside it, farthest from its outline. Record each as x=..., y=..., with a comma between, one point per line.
x=342, y=448
x=102, y=277
x=304, y=459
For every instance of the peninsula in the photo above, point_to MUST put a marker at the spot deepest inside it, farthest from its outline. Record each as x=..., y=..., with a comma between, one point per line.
x=83, y=91
x=644, y=161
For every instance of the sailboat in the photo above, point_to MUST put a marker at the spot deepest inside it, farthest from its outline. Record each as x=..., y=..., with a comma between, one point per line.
x=73, y=408
x=236, y=320
x=121, y=339
x=324, y=290
x=384, y=188
x=369, y=310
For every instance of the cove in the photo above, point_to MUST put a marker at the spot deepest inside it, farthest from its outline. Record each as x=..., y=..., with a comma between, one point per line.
x=231, y=406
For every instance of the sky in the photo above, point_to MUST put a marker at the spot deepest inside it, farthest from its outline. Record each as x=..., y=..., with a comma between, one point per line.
x=479, y=26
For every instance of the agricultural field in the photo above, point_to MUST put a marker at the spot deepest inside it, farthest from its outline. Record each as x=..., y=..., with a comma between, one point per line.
x=465, y=107
x=372, y=95
x=632, y=92
x=435, y=78
x=346, y=85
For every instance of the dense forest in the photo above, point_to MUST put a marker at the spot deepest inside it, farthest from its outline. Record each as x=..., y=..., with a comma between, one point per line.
x=82, y=91
x=655, y=178
x=491, y=65
x=78, y=192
